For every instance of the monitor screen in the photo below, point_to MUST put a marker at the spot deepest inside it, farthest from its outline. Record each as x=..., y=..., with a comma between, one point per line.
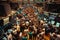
x=52, y=22
x=57, y=24
x=44, y=18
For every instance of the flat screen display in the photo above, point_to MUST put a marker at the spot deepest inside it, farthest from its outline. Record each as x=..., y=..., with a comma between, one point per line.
x=44, y=18
x=52, y=22
x=57, y=24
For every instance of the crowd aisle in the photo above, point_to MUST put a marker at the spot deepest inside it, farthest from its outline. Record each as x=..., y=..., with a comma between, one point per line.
x=31, y=26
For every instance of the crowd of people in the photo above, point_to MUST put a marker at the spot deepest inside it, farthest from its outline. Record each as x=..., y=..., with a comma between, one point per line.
x=28, y=26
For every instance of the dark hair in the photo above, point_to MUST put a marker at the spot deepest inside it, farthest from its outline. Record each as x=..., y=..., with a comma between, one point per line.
x=31, y=28
x=49, y=25
x=8, y=33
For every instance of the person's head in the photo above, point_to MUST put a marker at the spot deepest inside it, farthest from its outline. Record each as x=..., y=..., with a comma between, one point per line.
x=27, y=23
x=41, y=22
x=8, y=33
x=24, y=33
x=40, y=9
x=50, y=25
x=55, y=35
x=22, y=23
x=30, y=28
x=47, y=31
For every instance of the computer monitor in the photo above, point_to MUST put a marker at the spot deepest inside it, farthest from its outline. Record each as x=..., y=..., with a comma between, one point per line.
x=57, y=24
x=52, y=22
x=44, y=18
